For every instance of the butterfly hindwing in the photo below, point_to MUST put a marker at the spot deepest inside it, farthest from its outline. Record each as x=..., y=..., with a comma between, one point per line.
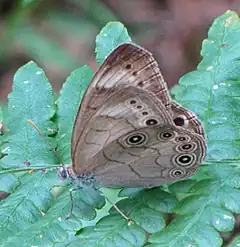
x=148, y=157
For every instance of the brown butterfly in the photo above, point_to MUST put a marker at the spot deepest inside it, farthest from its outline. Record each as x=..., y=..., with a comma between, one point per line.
x=128, y=132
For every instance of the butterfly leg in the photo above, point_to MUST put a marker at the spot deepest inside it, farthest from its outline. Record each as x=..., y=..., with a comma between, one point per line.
x=72, y=202
x=72, y=205
x=62, y=172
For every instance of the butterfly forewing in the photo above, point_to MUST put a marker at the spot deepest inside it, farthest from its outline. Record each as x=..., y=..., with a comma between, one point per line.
x=127, y=65
x=131, y=65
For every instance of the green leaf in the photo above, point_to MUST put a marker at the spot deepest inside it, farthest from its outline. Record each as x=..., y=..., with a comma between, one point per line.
x=212, y=91
x=86, y=200
x=129, y=192
x=8, y=183
x=184, y=231
x=49, y=228
x=24, y=206
x=111, y=231
x=227, y=172
x=68, y=104
x=31, y=99
x=181, y=188
x=52, y=226
x=111, y=36
x=145, y=208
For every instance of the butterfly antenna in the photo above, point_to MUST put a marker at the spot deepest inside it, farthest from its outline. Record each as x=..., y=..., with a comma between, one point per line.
x=46, y=141
x=72, y=205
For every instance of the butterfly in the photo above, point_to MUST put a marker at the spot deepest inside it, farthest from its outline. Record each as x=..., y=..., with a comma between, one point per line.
x=128, y=132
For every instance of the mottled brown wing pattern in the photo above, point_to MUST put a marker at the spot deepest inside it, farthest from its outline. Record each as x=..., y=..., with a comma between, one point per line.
x=127, y=65
x=126, y=110
x=148, y=157
x=131, y=65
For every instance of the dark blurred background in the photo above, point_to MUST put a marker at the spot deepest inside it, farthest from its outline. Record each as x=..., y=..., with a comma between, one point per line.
x=60, y=34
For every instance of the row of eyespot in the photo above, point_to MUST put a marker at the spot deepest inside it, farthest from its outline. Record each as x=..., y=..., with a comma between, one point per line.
x=149, y=122
x=179, y=173
x=140, y=138
x=179, y=121
x=182, y=160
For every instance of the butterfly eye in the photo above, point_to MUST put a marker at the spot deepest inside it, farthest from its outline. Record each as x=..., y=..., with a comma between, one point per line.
x=184, y=160
x=187, y=147
x=177, y=173
x=62, y=173
x=151, y=122
x=166, y=135
x=132, y=102
x=136, y=139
